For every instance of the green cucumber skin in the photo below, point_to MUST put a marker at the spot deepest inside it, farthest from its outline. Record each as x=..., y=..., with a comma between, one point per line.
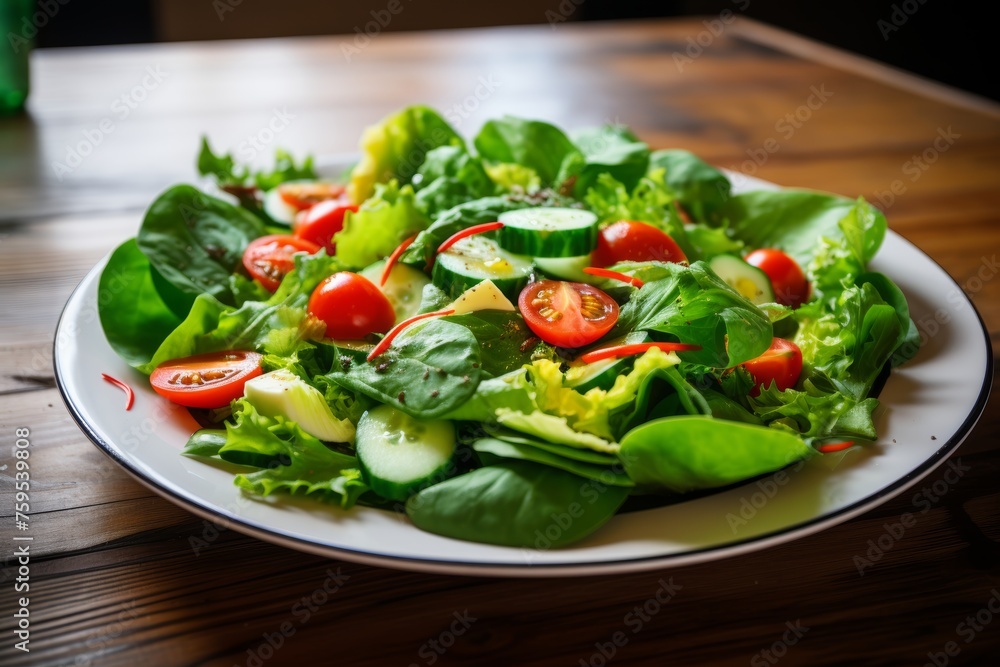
x=573, y=241
x=730, y=267
x=370, y=448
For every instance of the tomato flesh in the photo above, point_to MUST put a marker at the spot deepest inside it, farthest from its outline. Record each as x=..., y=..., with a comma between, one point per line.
x=302, y=196
x=351, y=306
x=781, y=364
x=321, y=222
x=567, y=314
x=209, y=380
x=269, y=258
x=633, y=241
x=791, y=288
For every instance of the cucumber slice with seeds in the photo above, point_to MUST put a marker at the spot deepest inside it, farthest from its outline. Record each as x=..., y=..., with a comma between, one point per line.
x=399, y=455
x=548, y=232
x=475, y=259
x=749, y=281
x=404, y=287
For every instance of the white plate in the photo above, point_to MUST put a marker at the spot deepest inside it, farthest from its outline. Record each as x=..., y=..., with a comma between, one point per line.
x=927, y=409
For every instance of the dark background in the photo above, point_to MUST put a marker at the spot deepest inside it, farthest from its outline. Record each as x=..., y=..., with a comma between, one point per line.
x=938, y=39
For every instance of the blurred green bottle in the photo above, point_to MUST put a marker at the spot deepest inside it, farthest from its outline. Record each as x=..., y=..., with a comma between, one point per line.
x=17, y=31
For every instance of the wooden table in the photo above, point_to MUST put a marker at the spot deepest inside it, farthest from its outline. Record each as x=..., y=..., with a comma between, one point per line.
x=114, y=580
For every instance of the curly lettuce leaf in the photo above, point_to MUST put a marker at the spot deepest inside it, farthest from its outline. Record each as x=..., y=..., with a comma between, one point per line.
x=700, y=187
x=612, y=150
x=394, y=149
x=227, y=172
x=379, y=225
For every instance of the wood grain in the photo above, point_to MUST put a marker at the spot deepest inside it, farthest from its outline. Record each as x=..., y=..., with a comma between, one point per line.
x=119, y=576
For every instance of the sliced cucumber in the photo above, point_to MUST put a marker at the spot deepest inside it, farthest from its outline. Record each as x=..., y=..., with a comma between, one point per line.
x=548, y=232
x=399, y=455
x=278, y=209
x=403, y=288
x=584, y=377
x=748, y=280
x=475, y=259
x=567, y=268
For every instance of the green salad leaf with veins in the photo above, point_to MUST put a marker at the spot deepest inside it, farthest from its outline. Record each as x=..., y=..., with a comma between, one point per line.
x=567, y=320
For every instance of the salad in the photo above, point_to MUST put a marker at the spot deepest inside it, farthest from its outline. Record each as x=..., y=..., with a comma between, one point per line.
x=509, y=339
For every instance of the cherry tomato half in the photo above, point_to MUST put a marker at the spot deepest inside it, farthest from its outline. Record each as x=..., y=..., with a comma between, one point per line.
x=789, y=283
x=352, y=307
x=319, y=223
x=306, y=195
x=780, y=364
x=269, y=258
x=567, y=314
x=209, y=380
x=628, y=240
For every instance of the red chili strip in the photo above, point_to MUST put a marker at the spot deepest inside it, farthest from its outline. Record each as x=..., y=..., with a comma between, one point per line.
x=129, y=394
x=633, y=349
x=393, y=258
x=832, y=447
x=613, y=275
x=384, y=344
x=466, y=233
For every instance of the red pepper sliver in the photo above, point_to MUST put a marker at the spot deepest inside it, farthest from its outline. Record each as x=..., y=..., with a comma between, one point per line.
x=832, y=447
x=393, y=258
x=681, y=212
x=384, y=344
x=466, y=233
x=613, y=275
x=634, y=349
x=129, y=394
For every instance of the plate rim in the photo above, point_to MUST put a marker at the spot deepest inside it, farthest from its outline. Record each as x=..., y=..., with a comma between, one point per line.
x=749, y=544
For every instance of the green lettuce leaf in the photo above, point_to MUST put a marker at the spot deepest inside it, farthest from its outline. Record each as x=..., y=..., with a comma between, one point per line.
x=694, y=305
x=134, y=317
x=448, y=177
x=381, y=224
x=612, y=150
x=394, y=149
x=227, y=172
x=700, y=187
x=539, y=146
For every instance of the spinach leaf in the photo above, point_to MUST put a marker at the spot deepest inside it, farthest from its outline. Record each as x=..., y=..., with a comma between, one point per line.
x=695, y=306
x=430, y=369
x=688, y=453
x=517, y=504
x=505, y=340
x=134, y=317
x=448, y=177
x=492, y=450
x=196, y=241
x=531, y=143
x=795, y=220
x=700, y=187
x=613, y=150
x=205, y=442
